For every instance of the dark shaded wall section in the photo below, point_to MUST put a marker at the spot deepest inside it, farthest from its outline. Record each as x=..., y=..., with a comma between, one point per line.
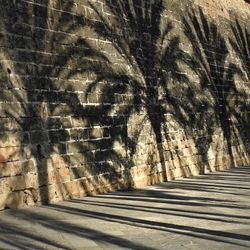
x=101, y=95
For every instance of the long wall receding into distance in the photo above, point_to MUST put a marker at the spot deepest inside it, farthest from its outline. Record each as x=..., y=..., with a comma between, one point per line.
x=99, y=95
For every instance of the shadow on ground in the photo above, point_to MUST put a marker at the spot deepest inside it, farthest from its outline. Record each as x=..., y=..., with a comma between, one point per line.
x=205, y=210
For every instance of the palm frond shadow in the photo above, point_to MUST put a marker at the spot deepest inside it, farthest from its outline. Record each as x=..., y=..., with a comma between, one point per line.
x=37, y=107
x=130, y=75
x=150, y=54
x=31, y=114
x=240, y=42
x=43, y=92
x=209, y=60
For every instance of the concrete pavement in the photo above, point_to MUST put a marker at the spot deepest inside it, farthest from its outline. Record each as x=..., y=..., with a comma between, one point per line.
x=204, y=212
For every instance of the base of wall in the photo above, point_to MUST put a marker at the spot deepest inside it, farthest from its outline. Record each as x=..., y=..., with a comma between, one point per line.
x=101, y=184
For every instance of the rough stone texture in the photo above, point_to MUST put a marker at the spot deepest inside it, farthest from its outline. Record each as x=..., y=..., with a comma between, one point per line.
x=225, y=7
x=101, y=95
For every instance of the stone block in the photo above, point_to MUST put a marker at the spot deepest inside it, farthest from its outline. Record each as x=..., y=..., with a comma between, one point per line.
x=9, y=154
x=61, y=135
x=38, y=137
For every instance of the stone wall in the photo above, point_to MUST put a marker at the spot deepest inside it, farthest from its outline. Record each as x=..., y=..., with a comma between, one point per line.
x=101, y=95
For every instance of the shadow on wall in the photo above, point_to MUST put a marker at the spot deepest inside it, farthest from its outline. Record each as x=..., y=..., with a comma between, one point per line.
x=49, y=69
x=66, y=130
x=39, y=102
x=211, y=62
x=240, y=42
x=149, y=56
x=30, y=69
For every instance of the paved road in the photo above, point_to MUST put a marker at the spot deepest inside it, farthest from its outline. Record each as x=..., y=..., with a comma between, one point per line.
x=205, y=212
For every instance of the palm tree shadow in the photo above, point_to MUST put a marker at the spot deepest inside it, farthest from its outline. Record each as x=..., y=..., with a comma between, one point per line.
x=45, y=96
x=209, y=60
x=128, y=78
x=42, y=93
x=26, y=73
x=240, y=42
x=144, y=44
